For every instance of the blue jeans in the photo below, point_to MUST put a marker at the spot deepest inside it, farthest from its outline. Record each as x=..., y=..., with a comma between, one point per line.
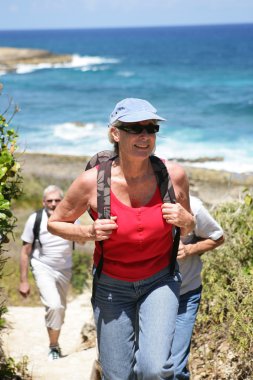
x=187, y=313
x=135, y=324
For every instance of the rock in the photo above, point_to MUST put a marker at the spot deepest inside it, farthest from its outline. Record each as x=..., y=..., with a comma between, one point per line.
x=88, y=335
x=11, y=57
x=198, y=159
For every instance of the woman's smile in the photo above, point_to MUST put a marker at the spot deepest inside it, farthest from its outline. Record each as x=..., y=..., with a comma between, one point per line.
x=142, y=146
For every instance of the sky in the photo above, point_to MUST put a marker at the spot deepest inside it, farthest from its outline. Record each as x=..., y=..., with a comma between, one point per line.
x=61, y=14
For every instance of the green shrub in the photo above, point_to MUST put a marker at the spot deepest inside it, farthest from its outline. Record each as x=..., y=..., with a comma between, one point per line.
x=10, y=189
x=81, y=270
x=11, y=370
x=226, y=315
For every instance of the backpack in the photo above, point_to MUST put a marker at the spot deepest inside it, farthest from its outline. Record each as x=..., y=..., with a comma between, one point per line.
x=104, y=161
x=36, y=229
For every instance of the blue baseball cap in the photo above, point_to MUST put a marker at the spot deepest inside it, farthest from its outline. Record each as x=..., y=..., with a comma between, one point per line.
x=131, y=110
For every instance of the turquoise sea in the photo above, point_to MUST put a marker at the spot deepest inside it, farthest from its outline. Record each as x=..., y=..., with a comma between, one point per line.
x=200, y=78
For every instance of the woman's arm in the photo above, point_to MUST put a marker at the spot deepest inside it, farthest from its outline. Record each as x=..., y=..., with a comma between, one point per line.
x=179, y=214
x=81, y=195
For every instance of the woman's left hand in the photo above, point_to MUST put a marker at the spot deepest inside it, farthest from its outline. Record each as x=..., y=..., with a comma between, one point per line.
x=176, y=214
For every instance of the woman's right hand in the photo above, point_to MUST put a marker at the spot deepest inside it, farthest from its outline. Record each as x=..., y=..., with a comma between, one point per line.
x=101, y=229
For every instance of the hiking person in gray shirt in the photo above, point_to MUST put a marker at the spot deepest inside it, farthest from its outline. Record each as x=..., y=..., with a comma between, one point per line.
x=206, y=236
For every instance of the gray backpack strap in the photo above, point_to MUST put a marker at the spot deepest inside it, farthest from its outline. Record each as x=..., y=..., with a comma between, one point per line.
x=100, y=157
x=104, y=161
x=168, y=196
x=104, y=189
x=103, y=205
x=163, y=180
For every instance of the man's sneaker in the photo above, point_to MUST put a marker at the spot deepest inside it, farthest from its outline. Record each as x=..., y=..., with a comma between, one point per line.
x=54, y=353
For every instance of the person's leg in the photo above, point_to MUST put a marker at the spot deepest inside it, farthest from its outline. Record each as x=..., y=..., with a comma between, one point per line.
x=53, y=337
x=114, y=306
x=46, y=281
x=157, y=318
x=187, y=313
x=62, y=283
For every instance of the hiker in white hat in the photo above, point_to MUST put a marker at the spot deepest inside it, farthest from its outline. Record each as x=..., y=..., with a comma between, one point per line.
x=135, y=290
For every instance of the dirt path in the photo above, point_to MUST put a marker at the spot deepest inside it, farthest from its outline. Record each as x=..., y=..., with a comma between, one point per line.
x=27, y=336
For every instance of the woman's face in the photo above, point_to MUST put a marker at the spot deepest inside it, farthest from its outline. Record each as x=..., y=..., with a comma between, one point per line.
x=138, y=145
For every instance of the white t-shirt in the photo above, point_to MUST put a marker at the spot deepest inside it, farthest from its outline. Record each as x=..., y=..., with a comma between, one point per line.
x=55, y=251
x=206, y=228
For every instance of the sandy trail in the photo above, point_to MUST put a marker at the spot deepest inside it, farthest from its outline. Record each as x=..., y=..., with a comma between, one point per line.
x=27, y=336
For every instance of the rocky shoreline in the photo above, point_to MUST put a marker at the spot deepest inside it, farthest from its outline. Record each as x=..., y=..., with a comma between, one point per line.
x=10, y=57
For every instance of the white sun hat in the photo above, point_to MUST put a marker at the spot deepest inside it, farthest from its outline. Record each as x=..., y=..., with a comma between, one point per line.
x=132, y=110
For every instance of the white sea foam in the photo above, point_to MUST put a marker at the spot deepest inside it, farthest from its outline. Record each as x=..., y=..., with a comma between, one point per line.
x=29, y=68
x=84, y=63
x=73, y=131
x=73, y=138
x=236, y=158
x=235, y=166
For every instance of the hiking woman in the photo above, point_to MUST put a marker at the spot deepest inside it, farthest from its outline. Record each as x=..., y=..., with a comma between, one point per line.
x=135, y=299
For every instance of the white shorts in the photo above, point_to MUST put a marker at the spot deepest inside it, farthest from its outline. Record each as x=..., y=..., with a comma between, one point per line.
x=53, y=287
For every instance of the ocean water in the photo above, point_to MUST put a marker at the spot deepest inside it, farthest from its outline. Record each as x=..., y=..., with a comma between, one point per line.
x=199, y=78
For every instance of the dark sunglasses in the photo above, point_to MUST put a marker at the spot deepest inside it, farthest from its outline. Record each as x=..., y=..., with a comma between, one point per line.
x=53, y=200
x=136, y=129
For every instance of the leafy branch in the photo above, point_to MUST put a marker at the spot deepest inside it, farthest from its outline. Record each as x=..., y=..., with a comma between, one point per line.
x=10, y=189
x=10, y=178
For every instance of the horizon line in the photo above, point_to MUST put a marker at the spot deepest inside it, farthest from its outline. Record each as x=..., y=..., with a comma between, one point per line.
x=129, y=27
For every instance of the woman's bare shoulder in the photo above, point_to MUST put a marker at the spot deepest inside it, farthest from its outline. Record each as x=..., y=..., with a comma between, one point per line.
x=80, y=195
x=88, y=177
x=83, y=185
x=176, y=171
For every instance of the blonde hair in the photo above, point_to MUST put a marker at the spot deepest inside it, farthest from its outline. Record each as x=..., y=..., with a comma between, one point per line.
x=116, y=124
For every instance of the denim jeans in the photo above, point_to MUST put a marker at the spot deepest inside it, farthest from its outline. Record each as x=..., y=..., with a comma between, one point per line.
x=187, y=313
x=135, y=324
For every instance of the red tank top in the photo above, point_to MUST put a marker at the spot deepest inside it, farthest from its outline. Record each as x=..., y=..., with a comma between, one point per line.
x=141, y=245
